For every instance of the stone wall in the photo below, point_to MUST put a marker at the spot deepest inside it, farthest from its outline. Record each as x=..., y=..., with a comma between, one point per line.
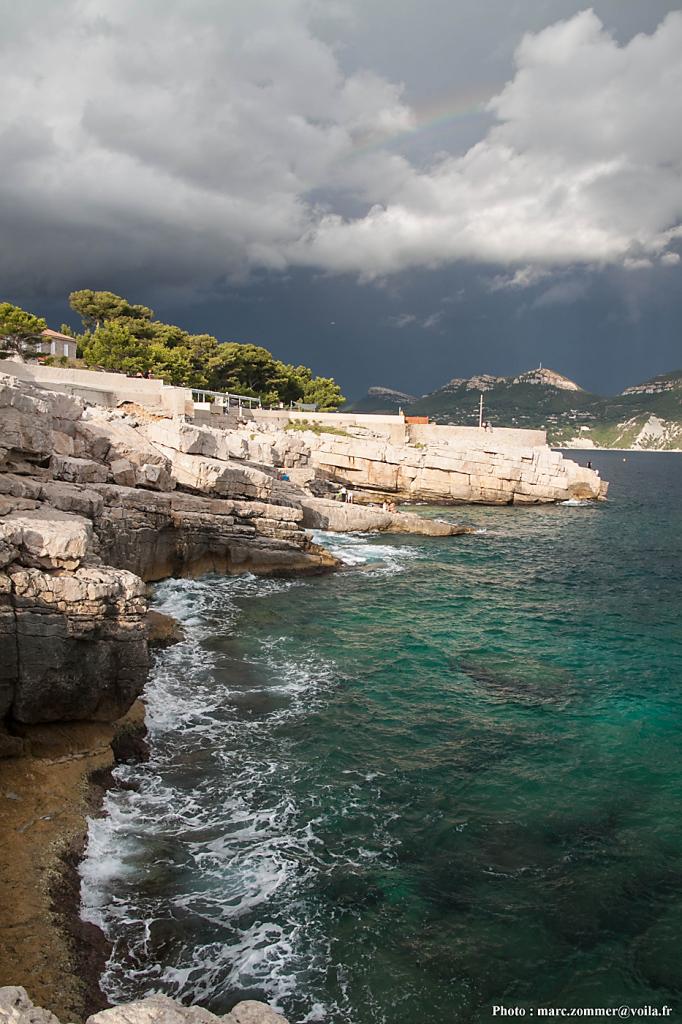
x=106, y=389
x=475, y=437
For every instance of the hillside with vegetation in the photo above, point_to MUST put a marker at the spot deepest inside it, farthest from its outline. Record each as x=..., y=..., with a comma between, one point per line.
x=125, y=337
x=646, y=416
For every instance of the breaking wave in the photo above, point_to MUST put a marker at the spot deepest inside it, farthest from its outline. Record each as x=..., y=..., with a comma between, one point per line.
x=201, y=870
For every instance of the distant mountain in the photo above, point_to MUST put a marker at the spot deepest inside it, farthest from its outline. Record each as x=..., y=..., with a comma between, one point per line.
x=385, y=400
x=646, y=416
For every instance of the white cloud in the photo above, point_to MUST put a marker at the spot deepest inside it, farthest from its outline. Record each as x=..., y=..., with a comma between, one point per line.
x=402, y=320
x=428, y=322
x=524, y=277
x=187, y=141
x=432, y=320
x=584, y=166
x=178, y=139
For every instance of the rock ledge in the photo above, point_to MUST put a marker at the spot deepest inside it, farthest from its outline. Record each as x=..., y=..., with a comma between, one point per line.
x=17, y=1008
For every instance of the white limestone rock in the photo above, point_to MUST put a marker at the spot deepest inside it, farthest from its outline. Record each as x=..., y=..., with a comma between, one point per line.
x=327, y=514
x=17, y=1008
x=25, y=419
x=123, y=472
x=110, y=439
x=162, y=1010
x=222, y=478
x=197, y=440
x=45, y=538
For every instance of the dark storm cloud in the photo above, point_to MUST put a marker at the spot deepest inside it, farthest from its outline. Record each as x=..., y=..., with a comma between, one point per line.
x=192, y=155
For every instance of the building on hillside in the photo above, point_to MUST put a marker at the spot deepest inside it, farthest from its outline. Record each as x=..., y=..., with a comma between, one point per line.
x=56, y=344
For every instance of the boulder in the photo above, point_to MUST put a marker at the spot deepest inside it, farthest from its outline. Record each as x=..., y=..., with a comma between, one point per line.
x=45, y=538
x=62, y=444
x=17, y=1008
x=252, y=1012
x=162, y=1010
x=78, y=471
x=110, y=437
x=153, y=476
x=154, y=1010
x=222, y=478
x=26, y=420
x=123, y=472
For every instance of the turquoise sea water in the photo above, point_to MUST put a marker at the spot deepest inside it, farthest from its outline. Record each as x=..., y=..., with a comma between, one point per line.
x=448, y=778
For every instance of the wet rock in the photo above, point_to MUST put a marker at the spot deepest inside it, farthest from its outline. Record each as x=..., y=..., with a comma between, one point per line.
x=163, y=630
x=129, y=742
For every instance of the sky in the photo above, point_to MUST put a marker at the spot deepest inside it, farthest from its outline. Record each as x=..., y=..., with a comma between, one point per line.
x=393, y=192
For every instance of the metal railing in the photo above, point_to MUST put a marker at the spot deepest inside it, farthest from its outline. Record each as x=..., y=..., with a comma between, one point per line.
x=225, y=398
x=303, y=406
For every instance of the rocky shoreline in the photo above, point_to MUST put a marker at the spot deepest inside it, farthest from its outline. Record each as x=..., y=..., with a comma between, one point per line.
x=95, y=505
x=17, y=1008
x=45, y=799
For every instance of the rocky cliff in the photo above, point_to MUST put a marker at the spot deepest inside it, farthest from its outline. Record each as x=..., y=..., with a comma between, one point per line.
x=89, y=512
x=444, y=468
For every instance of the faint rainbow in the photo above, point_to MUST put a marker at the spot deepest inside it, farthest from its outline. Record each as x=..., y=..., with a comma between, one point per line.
x=432, y=115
